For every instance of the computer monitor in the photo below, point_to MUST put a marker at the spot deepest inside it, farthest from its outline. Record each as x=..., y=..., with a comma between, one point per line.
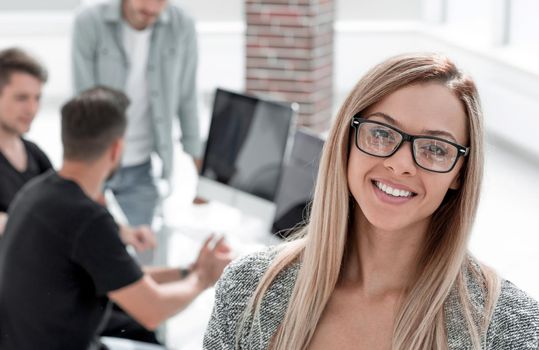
x=297, y=183
x=245, y=150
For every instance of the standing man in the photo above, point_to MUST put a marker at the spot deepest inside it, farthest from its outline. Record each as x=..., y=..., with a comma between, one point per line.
x=21, y=80
x=61, y=255
x=146, y=48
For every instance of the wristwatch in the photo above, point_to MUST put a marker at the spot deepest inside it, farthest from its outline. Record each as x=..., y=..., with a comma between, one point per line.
x=184, y=272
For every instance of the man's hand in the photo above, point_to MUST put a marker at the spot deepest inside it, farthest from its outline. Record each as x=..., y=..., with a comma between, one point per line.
x=3, y=221
x=198, y=166
x=140, y=237
x=212, y=260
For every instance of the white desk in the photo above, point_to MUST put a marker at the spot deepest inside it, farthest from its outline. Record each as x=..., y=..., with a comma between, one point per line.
x=180, y=240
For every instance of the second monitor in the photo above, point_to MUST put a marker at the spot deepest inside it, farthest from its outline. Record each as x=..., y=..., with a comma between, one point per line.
x=297, y=184
x=246, y=147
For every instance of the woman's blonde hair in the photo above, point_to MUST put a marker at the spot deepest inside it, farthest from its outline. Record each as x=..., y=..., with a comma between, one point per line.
x=322, y=244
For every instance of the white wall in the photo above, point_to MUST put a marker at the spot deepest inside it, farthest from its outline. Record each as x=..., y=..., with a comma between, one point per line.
x=32, y=5
x=509, y=90
x=378, y=10
x=232, y=10
x=510, y=94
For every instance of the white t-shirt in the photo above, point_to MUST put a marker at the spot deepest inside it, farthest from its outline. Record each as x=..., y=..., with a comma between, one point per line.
x=139, y=137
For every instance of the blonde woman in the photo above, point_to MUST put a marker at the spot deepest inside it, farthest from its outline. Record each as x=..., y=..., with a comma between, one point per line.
x=383, y=261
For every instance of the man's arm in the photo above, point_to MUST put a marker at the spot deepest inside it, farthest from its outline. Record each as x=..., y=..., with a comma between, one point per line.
x=188, y=106
x=83, y=52
x=140, y=237
x=166, y=274
x=151, y=303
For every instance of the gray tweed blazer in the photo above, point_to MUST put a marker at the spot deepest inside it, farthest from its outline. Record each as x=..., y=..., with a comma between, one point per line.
x=515, y=323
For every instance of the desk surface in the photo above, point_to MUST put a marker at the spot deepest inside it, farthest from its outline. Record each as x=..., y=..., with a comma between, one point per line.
x=180, y=239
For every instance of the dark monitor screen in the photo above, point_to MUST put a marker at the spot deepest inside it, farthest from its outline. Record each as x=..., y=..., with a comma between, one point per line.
x=297, y=183
x=246, y=142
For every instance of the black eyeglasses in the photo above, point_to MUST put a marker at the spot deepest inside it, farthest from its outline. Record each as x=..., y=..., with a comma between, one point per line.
x=429, y=152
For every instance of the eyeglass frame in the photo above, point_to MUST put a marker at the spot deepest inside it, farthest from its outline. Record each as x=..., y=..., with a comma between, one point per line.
x=357, y=120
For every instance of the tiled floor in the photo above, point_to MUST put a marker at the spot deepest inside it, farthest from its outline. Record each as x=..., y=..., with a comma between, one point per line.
x=506, y=234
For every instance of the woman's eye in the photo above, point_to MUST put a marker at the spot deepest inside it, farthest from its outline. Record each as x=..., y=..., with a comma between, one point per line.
x=435, y=150
x=381, y=134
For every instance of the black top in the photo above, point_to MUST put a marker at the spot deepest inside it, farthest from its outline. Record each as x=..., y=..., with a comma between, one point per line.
x=61, y=254
x=12, y=180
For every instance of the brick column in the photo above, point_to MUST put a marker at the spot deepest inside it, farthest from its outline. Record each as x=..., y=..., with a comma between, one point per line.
x=289, y=55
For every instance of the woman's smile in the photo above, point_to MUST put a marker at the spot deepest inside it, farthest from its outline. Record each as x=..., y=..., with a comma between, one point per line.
x=392, y=194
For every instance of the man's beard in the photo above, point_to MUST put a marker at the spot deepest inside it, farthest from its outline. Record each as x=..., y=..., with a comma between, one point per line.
x=8, y=129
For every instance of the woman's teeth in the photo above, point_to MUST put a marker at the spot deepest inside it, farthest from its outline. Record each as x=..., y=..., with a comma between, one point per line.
x=392, y=191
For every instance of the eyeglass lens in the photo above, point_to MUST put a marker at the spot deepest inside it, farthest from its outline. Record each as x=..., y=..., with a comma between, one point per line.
x=431, y=154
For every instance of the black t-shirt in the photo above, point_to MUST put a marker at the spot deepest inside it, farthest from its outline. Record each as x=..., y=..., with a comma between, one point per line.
x=12, y=180
x=61, y=254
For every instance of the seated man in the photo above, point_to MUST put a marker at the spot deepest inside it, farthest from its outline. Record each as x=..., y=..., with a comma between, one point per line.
x=62, y=256
x=21, y=79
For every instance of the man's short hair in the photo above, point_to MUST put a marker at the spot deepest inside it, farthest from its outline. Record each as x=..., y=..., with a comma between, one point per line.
x=14, y=60
x=92, y=121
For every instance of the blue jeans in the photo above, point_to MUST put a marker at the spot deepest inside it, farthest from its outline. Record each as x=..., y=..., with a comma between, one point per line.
x=136, y=193
x=134, y=189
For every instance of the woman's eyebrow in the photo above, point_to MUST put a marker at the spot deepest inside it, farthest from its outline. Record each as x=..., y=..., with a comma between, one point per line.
x=439, y=133
x=386, y=117
x=394, y=122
